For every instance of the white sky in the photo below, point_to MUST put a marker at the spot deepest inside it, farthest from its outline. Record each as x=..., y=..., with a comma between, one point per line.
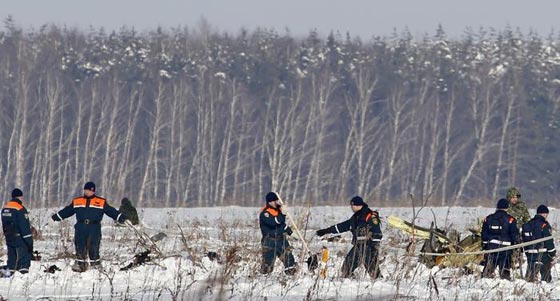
x=360, y=17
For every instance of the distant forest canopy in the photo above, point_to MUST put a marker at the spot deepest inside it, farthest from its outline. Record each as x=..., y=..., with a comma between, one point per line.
x=180, y=117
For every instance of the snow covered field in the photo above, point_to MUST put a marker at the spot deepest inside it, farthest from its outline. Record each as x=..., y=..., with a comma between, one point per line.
x=187, y=273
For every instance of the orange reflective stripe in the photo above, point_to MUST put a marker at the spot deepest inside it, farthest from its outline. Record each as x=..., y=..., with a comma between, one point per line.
x=79, y=202
x=368, y=216
x=13, y=205
x=97, y=203
x=511, y=219
x=544, y=225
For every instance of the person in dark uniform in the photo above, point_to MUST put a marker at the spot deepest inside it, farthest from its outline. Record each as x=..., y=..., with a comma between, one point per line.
x=499, y=230
x=89, y=210
x=17, y=231
x=540, y=256
x=274, y=244
x=366, y=237
x=128, y=209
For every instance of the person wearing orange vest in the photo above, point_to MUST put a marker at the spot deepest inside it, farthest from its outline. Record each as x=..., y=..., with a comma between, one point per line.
x=17, y=231
x=272, y=222
x=366, y=236
x=89, y=210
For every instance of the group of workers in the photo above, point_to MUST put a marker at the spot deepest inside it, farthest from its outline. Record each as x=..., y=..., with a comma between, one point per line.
x=509, y=225
x=364, y=224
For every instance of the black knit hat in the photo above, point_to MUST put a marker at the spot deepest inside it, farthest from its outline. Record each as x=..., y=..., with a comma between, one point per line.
x=542, y=209
x=502, y=204
x=357, y=201
x=271, y=197
x=17, y=193
x=89, y=186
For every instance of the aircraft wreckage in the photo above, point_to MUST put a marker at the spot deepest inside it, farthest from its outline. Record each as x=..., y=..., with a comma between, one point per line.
x=440, y=241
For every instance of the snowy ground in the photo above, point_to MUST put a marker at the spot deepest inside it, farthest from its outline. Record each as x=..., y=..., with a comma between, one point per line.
x=186, y=273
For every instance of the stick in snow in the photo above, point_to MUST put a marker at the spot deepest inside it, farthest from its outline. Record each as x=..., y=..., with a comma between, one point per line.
x=144, y=239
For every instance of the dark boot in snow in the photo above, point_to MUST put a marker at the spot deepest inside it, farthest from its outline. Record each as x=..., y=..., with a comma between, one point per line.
x=79, y=267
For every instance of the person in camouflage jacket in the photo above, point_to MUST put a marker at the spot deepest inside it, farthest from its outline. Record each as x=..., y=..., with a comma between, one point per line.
x=517, y=208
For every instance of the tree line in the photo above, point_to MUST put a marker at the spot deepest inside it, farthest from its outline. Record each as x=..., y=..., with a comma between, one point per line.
x=194, y=117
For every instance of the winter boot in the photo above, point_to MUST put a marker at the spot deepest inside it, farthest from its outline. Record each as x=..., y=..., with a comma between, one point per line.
x=79, y=267
x=290, y=271
x=505, y=274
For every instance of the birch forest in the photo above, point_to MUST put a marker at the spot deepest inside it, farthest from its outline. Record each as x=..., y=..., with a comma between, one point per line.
x=184, y=117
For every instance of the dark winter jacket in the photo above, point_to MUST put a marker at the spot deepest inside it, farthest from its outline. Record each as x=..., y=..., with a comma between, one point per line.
x=537, y=228
x=89, y=210
x=364, y=225
x=273, y=223
x=127, y=209
x=15, y=223
x=499, y=230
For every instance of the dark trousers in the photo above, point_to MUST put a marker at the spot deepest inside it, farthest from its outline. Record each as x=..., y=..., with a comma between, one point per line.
x=538, y=263
x=362, y=253
x=272, y=248
x=502, y=260
x=19, y=258
x=87, y=239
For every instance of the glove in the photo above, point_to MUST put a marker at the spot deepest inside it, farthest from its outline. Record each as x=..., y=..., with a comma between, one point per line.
x=321, y=232
x=55, y=217
x=289, y=231
x=122, y=219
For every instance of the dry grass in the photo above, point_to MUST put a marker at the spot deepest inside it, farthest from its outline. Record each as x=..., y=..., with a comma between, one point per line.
x=234, y=272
